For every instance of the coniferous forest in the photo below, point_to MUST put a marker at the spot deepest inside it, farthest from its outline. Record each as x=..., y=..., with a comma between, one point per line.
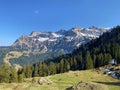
x=96, y=53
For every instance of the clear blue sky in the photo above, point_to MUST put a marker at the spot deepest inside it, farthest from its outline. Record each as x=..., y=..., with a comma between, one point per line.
x=19, y=17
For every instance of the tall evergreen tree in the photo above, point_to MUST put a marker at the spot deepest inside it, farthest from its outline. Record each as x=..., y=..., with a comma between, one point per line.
x=40, y=69
x=52, y=68
x=5, y=72
x=13, y=75
x=35, y=72
x=28, y=72
x=89, y=62
x=20, y=78
x=45, y=69
x=62, y=66
x=67, y=66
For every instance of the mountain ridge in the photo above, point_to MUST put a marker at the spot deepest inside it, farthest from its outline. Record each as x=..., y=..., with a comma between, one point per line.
x=66, y=40
x=40, y=46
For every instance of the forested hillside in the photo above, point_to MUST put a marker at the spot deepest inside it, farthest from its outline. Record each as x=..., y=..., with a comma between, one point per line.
x=96, y=53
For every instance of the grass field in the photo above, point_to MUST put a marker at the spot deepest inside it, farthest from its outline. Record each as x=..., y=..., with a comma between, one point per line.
x=62, y=81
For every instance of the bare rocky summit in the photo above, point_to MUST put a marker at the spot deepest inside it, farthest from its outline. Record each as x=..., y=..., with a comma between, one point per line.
x=64, y=40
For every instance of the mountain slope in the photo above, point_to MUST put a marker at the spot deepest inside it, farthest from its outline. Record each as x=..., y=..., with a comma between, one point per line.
x=99, y=52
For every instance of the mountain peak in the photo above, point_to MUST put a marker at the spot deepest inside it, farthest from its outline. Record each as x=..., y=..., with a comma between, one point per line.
x=93, y=27
x=66, y=40
x=62, y=31
x=35, y=33
x=77, y=28
x=23, y=36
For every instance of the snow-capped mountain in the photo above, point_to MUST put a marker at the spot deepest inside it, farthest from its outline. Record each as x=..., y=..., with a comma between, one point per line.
x=63, y=40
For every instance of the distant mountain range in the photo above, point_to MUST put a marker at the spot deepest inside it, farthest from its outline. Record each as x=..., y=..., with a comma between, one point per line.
x=39, y=46
x=64, y=41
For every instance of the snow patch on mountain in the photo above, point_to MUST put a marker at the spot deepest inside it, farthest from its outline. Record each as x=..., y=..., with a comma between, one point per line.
x=42, y=39
x=65, y=40
x=56, y=35
x=52, y=40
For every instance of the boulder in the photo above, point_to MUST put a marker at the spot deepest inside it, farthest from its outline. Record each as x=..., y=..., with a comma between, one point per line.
x=42, y=81
x=87, y=86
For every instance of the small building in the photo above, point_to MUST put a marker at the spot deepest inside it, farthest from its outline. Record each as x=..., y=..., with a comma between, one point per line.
x=113, y=62
x=108, y=71
x=116, y=75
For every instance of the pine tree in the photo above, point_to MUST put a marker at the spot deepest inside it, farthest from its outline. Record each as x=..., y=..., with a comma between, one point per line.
x=35, y=72
x=94, y=60
x=45, y=69
x=62, y=66
x=28, y=72
x=5, y=72
x=74, y=63
x=40, y=69
x=89, y=62
x=58, y=68
x=79, y=61
x=67, y=66
x=13, y=75
x=20, y=78
x=23, y=71
x=52, y=68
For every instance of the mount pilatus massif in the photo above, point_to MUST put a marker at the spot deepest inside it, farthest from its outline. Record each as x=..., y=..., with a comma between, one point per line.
x=62, y=41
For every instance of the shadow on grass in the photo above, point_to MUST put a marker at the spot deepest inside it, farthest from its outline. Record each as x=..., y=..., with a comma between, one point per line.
x=109, y=83
x=69, y=88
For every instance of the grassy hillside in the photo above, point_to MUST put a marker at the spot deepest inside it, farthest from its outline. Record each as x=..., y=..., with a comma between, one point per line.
x=65, y=80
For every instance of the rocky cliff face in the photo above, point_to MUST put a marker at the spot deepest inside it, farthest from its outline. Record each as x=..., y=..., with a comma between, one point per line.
x=63, y=40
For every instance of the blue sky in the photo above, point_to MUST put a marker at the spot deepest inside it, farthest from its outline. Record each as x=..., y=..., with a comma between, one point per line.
x=19, y=17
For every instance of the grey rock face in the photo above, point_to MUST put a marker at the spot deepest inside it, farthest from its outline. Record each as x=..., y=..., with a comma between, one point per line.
x=63, y=40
